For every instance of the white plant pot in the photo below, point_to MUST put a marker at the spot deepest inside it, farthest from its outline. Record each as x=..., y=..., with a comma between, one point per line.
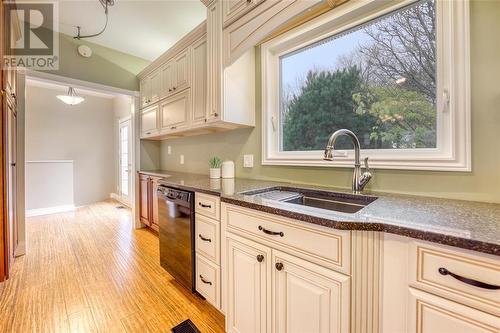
x=214, y=173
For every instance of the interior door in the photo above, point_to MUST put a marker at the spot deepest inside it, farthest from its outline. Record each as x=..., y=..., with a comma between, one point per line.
x=125, y=164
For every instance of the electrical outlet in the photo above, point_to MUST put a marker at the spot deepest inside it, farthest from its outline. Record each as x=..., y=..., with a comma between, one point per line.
x=182, y=159
x=169, y=150
x=248, y=161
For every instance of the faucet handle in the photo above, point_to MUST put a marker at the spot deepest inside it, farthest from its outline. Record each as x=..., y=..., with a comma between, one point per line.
x=365, y=177
x=367, y=168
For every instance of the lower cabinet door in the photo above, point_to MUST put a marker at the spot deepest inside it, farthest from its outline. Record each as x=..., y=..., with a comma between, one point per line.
x=432, y=314
x=144, y=199
x=248, y=283
x=308, y=297
x=154, y=204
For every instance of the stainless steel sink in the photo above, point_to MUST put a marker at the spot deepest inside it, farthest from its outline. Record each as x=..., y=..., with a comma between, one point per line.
x=334, y=201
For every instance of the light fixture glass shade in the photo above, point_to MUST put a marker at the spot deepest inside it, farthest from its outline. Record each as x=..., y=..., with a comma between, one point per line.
x=71, y=97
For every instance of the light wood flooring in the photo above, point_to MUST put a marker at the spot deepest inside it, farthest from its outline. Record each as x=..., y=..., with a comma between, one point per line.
x=90, y=271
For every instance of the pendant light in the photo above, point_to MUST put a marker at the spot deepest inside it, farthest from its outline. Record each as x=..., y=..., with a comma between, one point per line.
x=71, y=97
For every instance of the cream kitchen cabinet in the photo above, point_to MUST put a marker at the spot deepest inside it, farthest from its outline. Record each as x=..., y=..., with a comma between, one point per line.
x=231, y=89
x=150, y=89
x=175, y=112
x=175, y=74
x=273, y=284
x=167, y=78
x=199, y=82
x=150, y=121
x=308, y=297
x=433, y=314
x=248, y=286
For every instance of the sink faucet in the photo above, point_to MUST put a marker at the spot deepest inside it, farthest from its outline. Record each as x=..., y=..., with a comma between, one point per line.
x=359, y=180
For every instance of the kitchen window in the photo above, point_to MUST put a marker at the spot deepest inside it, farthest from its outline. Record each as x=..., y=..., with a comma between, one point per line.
x=396, y=73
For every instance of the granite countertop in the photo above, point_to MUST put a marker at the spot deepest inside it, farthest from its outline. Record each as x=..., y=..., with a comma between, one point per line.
x=465, y=224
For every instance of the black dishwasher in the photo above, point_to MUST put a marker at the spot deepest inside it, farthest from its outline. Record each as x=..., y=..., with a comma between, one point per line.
x=176, y=222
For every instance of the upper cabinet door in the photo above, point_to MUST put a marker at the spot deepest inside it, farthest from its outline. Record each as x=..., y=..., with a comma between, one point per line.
x=145, y=87
x=167, y=78
x=214, y=60
x=182, y=78
x=308, y=297
x=199, y=86
x=174, y=111
x=249, y=301
x=155, y=82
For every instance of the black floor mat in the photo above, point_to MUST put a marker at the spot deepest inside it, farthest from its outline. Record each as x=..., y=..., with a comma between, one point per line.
x=187, y=326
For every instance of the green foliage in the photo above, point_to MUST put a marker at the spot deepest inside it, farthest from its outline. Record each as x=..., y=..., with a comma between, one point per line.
x=325, y=104
x=382, y=117
x=215, y=162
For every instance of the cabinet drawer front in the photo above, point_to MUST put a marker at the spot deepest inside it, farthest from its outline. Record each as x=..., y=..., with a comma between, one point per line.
x=208, y=280
x=432, y=314
x=207, y=238
x=328, y=248
x=433, y=269
x=207, y=205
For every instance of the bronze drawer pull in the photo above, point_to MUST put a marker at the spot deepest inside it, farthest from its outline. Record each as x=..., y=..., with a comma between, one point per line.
x=204, y=239
x=279, y=266
x=475, y=283
x=260, y=258
x=205, y=281
x=273, y=233
x=204, y=206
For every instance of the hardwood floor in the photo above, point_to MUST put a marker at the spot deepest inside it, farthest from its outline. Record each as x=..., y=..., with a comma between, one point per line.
x=89, y=271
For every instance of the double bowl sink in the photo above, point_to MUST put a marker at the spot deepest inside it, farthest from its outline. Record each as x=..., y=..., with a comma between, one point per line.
x=326, y=200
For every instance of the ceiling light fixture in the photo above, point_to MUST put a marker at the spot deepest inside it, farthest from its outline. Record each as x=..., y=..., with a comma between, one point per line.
x=105, y=4
x=71, y=97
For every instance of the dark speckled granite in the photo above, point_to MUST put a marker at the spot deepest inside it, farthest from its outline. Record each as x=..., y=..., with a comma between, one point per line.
x=470, y=225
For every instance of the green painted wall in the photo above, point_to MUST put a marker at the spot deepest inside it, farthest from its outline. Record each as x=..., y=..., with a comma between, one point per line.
x=482, y=184
x=106, y=66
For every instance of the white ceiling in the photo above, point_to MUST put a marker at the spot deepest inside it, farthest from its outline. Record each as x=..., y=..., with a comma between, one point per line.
x=144, y=28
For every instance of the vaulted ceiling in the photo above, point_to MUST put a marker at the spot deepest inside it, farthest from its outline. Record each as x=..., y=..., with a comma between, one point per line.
x=143, y=28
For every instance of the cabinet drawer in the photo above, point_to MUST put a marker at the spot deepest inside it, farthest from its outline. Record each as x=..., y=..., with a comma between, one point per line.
x=207, y=238
x=208, y=205
x=431, y=314
x=208, y=280
x=440, y=270
x=329, y=248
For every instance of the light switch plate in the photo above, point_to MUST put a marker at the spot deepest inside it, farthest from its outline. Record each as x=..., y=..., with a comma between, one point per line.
x=182, y=159
x=248, y=161
x=169, y=150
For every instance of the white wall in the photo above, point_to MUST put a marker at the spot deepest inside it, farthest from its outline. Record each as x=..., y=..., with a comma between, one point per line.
x=83, y=133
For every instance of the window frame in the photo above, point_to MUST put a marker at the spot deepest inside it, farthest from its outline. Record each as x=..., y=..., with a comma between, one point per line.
x=453, y=151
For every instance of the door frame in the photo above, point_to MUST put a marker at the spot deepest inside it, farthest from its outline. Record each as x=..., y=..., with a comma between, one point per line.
x=130, y=196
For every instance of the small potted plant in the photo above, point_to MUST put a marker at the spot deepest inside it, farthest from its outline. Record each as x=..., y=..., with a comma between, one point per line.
x=215, y=164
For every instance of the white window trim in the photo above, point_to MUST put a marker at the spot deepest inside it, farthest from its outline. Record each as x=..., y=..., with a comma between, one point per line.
x=454, y=125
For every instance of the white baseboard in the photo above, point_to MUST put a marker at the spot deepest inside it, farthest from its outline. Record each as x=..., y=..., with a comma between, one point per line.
x=20, y=249
x=119, y=199
x=49, y=210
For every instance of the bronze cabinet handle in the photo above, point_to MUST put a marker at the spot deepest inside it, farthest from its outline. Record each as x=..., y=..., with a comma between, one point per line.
x=272, y=233
x=204, y=239
x=204, y=206
x=205, y=281
x=279, y=266
x=260, y=258
x=475, y=283
x=173, y=127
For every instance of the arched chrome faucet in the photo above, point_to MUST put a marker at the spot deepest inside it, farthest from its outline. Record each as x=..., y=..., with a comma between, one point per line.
x=359, y=180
